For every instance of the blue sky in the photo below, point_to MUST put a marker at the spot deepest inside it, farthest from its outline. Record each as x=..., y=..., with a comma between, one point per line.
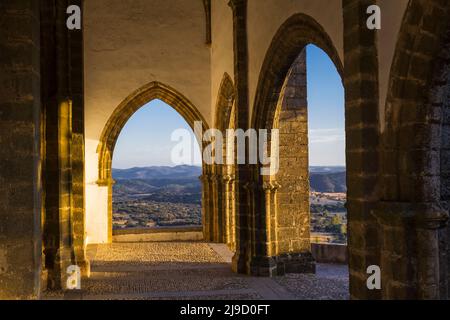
x=146, y=138
x=326, y=113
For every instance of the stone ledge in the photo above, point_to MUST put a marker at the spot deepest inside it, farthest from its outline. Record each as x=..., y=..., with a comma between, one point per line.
x=159, y=234
x=330, y=253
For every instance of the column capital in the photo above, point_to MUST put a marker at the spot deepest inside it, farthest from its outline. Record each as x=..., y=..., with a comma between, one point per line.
x=106, y=182
x=209, y=177
x=269, y=186
x=228, y=178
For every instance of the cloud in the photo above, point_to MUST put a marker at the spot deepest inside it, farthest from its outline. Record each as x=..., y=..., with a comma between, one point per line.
x=326, y=135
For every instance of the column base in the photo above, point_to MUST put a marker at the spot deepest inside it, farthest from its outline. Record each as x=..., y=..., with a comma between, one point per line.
x=412, y=252
x=239, y=263
x=85, y=268
x=281, y=265
x=264, y=267
x=296, y=263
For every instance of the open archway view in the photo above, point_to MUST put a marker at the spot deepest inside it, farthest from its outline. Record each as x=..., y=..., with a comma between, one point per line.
x=155, y=194
x=326, y=131
x=155, y=187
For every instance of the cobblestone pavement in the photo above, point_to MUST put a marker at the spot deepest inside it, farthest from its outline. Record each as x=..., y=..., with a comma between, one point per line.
x=195, y=270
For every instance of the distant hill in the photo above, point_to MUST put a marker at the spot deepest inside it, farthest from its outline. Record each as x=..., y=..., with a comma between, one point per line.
x=181, y=182
x=178, y=172
x=328, y=182
x=323, y=169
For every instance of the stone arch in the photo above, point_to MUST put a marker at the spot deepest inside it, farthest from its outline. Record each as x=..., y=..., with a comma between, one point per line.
x=408, y=108
x=120, y=116
x=289, y=41
x=224, y=216
x=414, y=157
x=114, y=125
x=285, y=64
x=225, y=103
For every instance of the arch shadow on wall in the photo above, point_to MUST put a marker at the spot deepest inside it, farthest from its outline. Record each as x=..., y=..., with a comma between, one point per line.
x=293, y=252
x=120, y=116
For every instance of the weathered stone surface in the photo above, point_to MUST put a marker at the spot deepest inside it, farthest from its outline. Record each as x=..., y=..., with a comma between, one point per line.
x=20, y=217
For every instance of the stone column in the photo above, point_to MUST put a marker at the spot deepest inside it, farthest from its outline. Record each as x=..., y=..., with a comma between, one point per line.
x=410, y=269
x=241, y=259
x=362, y=143
x=57, y=172
x=62, y=98
x=290, y=192
x=271, y=190
x=76, y=61
x=228, y=211
x=209, y=218
x=109, y=183
x=20, y=150
x=264, y=261
x=214, y=207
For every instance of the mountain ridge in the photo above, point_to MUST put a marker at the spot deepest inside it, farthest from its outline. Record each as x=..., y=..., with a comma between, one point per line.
x=179, y=179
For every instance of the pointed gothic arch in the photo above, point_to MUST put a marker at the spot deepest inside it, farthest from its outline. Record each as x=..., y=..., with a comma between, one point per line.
x=272, y=255
x=120, y=116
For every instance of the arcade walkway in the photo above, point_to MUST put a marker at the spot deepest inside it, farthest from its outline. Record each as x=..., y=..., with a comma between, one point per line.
x=195, y=270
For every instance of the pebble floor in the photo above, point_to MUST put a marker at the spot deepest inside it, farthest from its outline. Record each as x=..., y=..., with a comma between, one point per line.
x=195, y=271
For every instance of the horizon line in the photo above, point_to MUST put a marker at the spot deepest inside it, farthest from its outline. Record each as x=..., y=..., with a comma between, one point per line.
x=199, y=166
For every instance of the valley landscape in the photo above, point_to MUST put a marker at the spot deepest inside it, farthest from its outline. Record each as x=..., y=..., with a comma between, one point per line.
x=161, y=197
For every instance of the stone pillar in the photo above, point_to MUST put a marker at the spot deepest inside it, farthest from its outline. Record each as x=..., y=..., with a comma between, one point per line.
x=214, y=207
x=410, y=269
x=270, y=259
x=264, y=262
x=76, y=62
x=362, y=144
x=209, y=197
x=241, y=259
x=271, y=191
x=228, y=211
x=20, y=150
x=291, y=191
x=109, y=183
x=62, y=98
x=205, y=199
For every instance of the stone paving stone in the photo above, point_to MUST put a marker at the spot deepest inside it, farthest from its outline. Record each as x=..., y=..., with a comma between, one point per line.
x=195, y=271
x=322, y=286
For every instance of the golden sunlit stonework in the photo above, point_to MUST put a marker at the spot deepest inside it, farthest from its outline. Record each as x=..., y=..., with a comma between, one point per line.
x=65, y=96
